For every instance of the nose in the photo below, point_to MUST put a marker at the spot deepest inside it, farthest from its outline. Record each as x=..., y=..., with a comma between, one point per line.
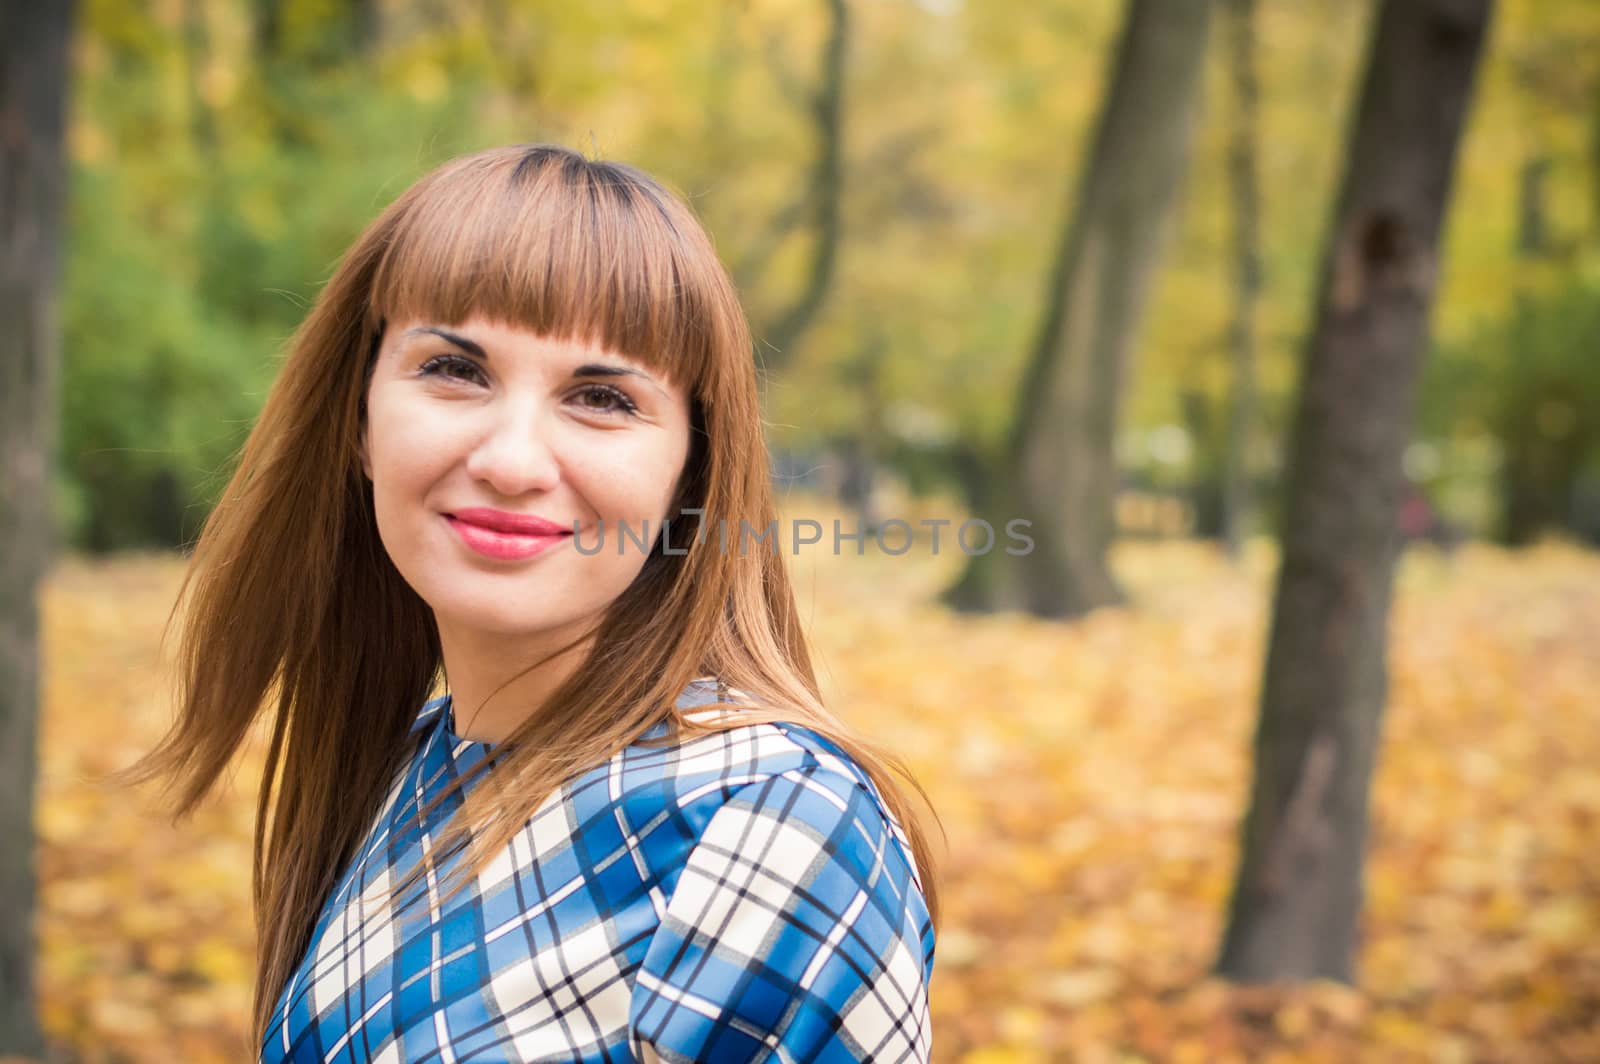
x=516, y=455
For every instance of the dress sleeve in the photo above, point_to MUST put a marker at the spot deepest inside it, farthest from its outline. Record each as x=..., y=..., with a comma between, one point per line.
x=796, y=932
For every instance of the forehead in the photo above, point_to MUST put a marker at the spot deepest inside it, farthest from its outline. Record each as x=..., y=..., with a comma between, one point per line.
x=587, y=256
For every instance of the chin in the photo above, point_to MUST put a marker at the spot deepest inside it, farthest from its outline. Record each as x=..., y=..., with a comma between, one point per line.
x=496, y=619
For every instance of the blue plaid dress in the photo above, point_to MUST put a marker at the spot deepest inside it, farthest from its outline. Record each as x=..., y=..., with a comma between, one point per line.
x=740, y=896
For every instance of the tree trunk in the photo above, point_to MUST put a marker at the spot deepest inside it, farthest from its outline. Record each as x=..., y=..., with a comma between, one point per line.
x=1208, y=462
x=1061, y=470
x=1244, y=184
x=827, y=180
x=862, y=450
x=266, y=28
x=196, y=49
x=1297, y=900
x=33, y=87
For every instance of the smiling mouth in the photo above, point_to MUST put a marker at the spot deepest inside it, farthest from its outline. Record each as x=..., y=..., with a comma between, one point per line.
x=501, y=545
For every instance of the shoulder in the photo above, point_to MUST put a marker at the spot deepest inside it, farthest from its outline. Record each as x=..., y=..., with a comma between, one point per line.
x=795, y=929
x=795, y=918
x=782, y=767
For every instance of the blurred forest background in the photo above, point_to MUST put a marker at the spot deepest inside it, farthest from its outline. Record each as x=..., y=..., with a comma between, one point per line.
x=888, y=181
x=224, y=154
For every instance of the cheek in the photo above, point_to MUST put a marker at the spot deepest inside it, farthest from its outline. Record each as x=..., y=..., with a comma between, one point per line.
x=637, y=482
x=407, y=451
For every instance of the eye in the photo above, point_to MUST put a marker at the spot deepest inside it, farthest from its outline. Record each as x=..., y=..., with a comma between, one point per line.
x=604, y=399
x=451, y=367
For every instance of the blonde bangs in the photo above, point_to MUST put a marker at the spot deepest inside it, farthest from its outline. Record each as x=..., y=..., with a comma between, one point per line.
x=542, y=238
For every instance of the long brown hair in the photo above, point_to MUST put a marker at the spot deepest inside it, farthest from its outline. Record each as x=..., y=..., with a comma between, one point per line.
x=291, y=602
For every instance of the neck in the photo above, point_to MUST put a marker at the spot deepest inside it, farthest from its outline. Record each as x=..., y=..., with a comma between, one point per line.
x=496, y=682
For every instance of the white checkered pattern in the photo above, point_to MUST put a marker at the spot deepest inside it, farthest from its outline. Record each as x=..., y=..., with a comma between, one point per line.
x=742, y=896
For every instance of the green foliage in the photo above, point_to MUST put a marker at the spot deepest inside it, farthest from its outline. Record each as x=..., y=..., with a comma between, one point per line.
x=218, y=174
x=154, y=386
x=1534, y=367
x=1529, y=383
x=189, y=265
x=1547, y=378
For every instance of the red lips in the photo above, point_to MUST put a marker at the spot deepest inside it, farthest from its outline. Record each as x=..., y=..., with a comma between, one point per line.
x=506, y=536
x=512, y=524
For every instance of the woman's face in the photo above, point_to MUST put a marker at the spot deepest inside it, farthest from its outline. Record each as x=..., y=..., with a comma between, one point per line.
x=476, y=428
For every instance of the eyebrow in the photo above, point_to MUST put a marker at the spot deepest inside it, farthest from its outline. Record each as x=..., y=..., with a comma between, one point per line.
x=588, y=369
x=471, y=347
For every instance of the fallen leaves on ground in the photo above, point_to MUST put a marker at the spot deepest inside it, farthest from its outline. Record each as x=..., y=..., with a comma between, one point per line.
x=1090, y=776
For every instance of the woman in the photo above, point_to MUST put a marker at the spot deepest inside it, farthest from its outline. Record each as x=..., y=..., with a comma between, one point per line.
x=516, y=445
